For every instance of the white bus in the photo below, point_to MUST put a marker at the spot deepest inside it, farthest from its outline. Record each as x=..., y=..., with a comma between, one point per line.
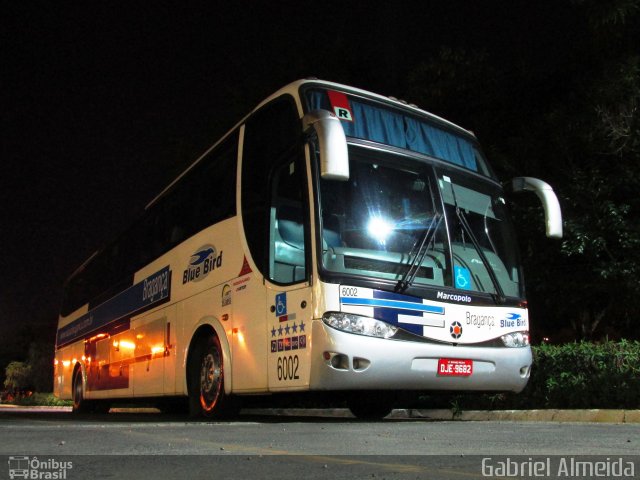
x=333, y=241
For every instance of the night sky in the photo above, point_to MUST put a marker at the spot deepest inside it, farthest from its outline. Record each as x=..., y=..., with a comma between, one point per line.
x=104, y=103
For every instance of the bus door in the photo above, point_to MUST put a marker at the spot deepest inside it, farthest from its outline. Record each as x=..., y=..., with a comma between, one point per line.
x=275, y=216
x=289, y=328
x=288, y=291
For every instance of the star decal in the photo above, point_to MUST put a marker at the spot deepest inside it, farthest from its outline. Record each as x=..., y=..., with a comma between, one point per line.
x=280, y=331
x=287, y=329
x=273, y=332
x=301, y=326
x=295, y=327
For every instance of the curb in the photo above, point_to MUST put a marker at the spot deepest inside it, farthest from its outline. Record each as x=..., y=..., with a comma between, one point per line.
x=44, y=408
x=550, y=415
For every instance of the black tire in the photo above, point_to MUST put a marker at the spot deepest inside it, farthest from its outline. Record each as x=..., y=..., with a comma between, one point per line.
x=371, y=405
x=80, y=405
x=206, y=385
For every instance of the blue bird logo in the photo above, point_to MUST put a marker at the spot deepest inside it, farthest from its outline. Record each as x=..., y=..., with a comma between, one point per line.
x=199, y=257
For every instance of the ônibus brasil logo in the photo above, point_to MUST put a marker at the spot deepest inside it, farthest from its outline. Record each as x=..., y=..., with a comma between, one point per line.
x=204, y=261
x=31, y=467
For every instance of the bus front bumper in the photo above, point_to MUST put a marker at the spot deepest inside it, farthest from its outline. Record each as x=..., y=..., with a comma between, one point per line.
x=345, y=361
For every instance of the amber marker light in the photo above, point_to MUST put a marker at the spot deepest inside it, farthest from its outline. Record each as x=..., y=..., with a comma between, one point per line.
x=156, y=349
x=127, y=344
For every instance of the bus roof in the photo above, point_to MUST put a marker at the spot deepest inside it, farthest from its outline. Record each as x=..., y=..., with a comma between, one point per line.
x=293, y=89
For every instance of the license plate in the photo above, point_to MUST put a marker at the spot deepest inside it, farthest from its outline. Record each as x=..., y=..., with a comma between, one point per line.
x=455, y=367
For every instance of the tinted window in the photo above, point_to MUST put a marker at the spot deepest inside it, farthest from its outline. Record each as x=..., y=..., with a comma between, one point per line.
x=204, y=196
x=272, y=135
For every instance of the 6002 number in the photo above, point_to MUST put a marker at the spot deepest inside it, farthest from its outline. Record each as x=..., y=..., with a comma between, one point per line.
x=349, y=292
x=288, y=367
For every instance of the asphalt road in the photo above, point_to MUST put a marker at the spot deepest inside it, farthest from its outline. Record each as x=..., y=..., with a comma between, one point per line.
x=123, y=445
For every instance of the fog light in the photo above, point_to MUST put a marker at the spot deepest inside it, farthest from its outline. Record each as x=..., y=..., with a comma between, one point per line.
x=360, y=364
x=339, y=361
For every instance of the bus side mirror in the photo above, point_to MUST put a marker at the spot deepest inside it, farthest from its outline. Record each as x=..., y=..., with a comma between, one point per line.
x=332, y=142
x=552, y=213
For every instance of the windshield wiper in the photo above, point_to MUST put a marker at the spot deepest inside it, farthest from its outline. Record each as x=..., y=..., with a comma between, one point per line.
x=500, y=297
x=426, y=237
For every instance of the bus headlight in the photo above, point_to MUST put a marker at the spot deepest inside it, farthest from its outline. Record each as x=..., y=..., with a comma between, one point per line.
x=516, y=339
x=348, y=322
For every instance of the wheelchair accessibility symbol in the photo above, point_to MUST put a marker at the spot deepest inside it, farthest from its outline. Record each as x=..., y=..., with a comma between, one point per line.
x=281, y=304
x=463, y=278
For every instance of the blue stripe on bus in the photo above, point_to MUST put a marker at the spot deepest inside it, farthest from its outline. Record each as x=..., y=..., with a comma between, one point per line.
x=401, y=305
x=150, y=292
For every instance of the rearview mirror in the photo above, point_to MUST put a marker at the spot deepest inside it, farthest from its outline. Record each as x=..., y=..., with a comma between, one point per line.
x=552, y=213
x=332, y=143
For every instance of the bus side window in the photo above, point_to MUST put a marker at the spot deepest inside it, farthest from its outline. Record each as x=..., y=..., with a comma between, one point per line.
x=287, y=226
x=272, y=184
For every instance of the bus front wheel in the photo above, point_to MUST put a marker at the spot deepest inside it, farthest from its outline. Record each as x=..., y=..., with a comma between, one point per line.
x=206, y=385
x=371, y=405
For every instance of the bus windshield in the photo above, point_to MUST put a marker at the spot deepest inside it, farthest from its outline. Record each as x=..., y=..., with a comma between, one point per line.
x=483, y=243
x=368, y=120
x=387, y=222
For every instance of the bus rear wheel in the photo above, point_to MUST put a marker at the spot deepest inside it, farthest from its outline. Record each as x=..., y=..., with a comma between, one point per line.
x=206, y=385
x=80, y=405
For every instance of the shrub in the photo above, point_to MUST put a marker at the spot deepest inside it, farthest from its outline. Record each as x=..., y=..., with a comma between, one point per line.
x=40, y=399
x=573, y=375
x=585, y=375
x=17, y=376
